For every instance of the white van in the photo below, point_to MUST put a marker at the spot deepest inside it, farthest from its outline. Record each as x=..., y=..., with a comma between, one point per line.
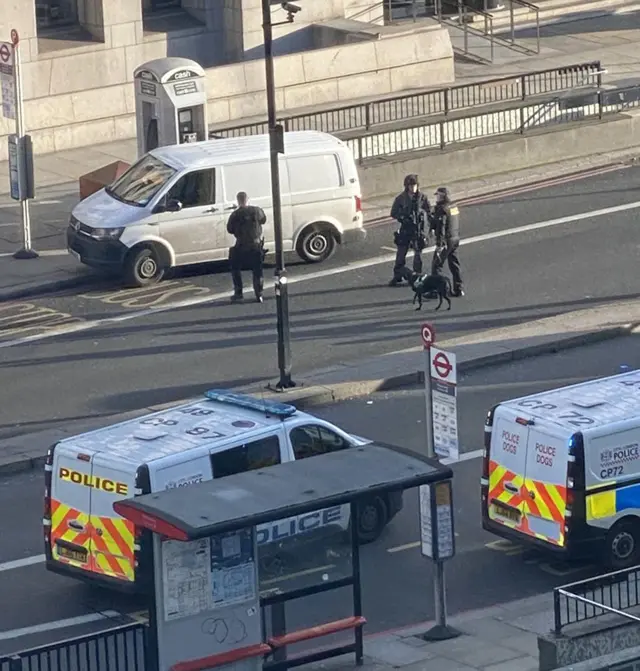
x=222, y=434
x=561, y=470
x=171, y=207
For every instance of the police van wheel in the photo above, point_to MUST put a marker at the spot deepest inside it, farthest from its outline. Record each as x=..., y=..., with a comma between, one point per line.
x=316, y=243
x=623, y=545
x=372, y=519
x=143, y=267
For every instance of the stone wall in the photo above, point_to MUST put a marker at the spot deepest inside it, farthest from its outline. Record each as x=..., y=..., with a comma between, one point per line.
x=80, y=96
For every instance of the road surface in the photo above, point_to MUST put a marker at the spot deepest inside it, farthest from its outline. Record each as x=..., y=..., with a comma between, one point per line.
x=396, y=579
x=111, y=351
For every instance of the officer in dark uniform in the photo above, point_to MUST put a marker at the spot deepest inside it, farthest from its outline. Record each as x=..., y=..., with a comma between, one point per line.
x=245, y=224
x=446, y=226
x=412, y=211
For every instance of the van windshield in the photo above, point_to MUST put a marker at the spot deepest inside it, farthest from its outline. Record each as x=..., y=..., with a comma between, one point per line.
x=140, y=183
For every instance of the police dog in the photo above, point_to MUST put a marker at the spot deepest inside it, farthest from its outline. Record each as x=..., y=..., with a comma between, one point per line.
x=423, y=285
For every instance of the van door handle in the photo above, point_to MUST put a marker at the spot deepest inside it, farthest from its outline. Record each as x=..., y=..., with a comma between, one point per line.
x=78, y=526
x=210, y=210
x=511, y=488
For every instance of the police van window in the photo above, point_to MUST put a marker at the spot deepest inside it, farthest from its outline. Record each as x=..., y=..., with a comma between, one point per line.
x=195, y=189
x=312, y=439
x=257, y=454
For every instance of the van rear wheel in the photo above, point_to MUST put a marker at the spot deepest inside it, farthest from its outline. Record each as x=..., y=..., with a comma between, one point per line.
x=622, y=545
x=142, y=268
x=316, y=243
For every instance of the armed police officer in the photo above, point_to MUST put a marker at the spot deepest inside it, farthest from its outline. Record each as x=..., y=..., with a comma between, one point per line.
x=446, y=226
x=412, y=211
x=245, y=224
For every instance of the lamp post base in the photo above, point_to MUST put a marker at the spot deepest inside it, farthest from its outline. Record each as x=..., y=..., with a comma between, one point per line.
x=284, y=384
x=440, y=632
x=26, y=254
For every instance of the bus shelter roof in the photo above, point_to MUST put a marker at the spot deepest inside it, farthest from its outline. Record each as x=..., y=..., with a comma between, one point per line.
x=285, y=490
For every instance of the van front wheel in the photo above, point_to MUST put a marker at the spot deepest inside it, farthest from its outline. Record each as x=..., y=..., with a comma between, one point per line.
x=316, y=243
x=623, y=545
x=142, y=268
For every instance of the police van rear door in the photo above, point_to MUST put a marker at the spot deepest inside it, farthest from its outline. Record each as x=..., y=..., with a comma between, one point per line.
x=113, y=537
x=71, y=507
x=545, y=485
x=507, y=466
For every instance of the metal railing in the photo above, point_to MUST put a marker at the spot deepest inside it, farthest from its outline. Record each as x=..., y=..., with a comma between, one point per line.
x=512, y=25
x=609, y=594
x=119, y=649
x=457, y=14
x=515, y=120
x=365, y=116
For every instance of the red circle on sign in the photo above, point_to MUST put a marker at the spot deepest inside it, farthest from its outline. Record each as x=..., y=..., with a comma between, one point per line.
x=428, y=335
x=5, y=54
x=442, y=364
x=15, y=38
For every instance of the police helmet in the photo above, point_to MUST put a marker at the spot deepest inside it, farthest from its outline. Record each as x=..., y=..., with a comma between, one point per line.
x=443, y=191
x=410, y=180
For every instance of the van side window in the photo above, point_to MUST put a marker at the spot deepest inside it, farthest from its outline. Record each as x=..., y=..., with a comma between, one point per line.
x=256, y=454
x=195, y=189
x=312, y=439
x=313, y=173
x=253, y=177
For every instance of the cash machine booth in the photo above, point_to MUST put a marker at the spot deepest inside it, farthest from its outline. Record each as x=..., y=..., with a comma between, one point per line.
x=171, y=103
x=208, y=601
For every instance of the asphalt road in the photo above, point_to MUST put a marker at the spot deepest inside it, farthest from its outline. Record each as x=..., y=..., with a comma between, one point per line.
x=340, y=311
x=483, y=572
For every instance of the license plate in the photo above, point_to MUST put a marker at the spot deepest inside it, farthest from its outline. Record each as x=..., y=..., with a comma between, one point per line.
x=73, y=555
x=509, y=513
x=74, y=253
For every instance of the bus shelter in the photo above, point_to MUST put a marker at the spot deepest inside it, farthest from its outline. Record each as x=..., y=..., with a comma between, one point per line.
x=217, y=546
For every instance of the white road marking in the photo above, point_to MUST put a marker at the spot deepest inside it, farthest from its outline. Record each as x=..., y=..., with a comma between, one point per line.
x=8, y=206
x=358, y=265
x=21, y=563
x=38, y=559
x=465, y=456
x=402, y=548
x=58, y=624
x=7, y=225
x=46, y=252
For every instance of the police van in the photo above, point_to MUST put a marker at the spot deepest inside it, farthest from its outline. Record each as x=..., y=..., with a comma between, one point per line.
x=219, y=435
x=561, y=470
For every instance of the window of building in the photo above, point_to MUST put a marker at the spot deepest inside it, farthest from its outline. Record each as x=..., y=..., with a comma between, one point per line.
x=312, y=439
x=168, y=16
x=159, y=5
x=54, y=13
x=248, y=457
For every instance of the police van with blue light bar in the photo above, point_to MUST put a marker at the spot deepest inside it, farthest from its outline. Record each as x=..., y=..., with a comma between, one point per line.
x=222, y=434
x=561, y=470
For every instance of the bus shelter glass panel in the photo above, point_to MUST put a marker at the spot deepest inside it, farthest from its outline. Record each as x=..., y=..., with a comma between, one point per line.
x=304, y=551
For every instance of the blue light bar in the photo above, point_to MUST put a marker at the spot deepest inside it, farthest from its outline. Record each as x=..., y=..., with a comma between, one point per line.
x=249, y=403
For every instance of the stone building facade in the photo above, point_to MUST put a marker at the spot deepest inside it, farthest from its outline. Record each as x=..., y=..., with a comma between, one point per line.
x=79, y=56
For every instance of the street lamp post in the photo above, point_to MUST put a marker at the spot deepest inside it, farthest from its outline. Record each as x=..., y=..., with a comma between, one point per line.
x=276, y=147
